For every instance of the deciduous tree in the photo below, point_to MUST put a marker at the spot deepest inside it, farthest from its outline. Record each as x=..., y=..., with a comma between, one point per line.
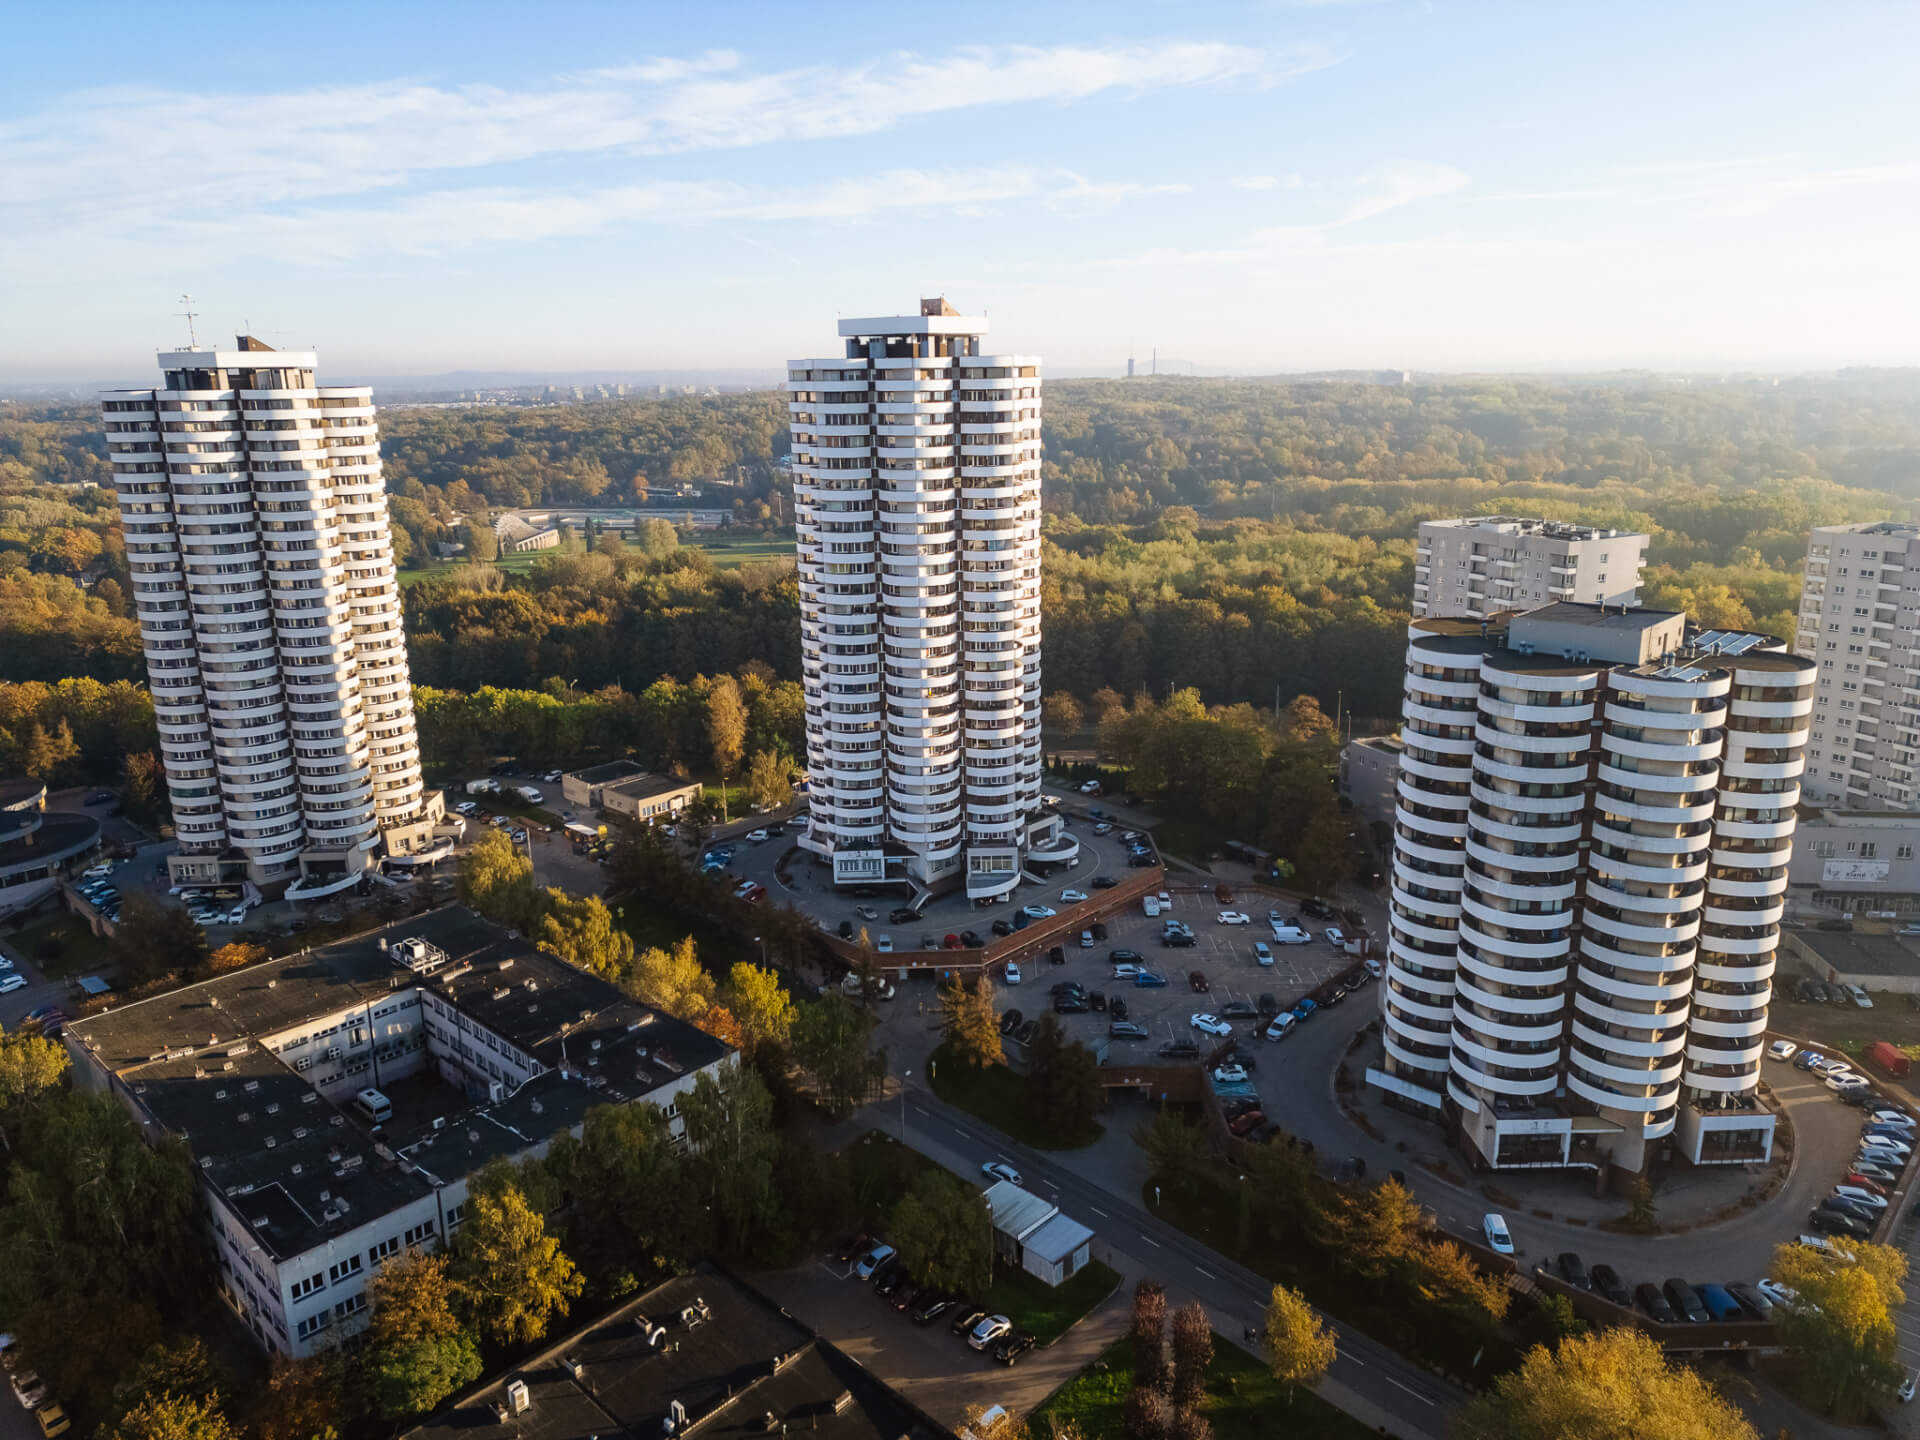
x=1300, y=1347
x=673, y=980
x=418, y=1353
x=496, y=878
x=236, y=955
x=174, y=1417
x=30, y=1067
x=1175, y=1147
x=767, y=781
x=731, y=1148
x=762, y=1006
x=509, y=1275
x=1843, y=1322
x=1192, y=1355
x=580, y=929
x=1613, y=1385
x=726, y=731
x=1149, y=1335
x=830, y=1042
x=1063, y=1078
x=942, y=1228
x=970, y=1023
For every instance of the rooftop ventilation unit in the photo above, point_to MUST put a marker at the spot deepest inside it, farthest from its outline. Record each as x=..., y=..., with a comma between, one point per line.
x=518, y=1400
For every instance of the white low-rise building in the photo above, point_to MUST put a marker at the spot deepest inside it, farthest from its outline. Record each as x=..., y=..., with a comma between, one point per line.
x=299, y=1086
x=1485, y=564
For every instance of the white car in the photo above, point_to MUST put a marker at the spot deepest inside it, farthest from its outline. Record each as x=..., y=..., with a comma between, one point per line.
x=1232, y=917
x=465, y=807
x=1282, y=1026
x=237, y=915
x=1499, y=1238
x=1012, y=973
x=1841, y=1080
x=1166, y=900
x=1860, y=1196
x=1262, y=953
x=1000, y=1170
x=1824, y=1067
x=884, y=945
x=757, y=837
x=1072, y=897
x=1859, y=997
x=5, y=963
x=96, y=872
x=1039, y=912
x=1908, y=1384
x=1103, y=828
x=1210, y=1025
x=1237, y=1075
x=1336, y=937
x=11, y=983
x=1776, y=1292
x=1374, y=969
x=994, y=1327
x=1086, y=939
x=873, y=1260
x=1782, y=1050
x=204, y=916
x=1151, y=905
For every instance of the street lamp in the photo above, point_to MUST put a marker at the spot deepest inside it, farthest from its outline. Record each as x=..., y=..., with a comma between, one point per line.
x=990, y=1244
x=905, y=1075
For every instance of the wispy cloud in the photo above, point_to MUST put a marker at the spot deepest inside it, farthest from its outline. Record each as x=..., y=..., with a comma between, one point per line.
x=1267, y=182
x=1402, y=185
x=115, y=159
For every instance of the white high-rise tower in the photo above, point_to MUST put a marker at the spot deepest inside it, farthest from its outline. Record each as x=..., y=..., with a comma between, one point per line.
x=916, y=465
x=263, y=577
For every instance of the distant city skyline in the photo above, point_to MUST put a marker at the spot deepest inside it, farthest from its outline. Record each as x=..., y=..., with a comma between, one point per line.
x=1292, y=185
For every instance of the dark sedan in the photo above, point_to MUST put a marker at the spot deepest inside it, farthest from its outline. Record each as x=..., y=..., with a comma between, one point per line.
x=1685, y=1300
x=1014, y=1346
x=1573, y=1270
x=1607, y=1281
x=1654, y=1303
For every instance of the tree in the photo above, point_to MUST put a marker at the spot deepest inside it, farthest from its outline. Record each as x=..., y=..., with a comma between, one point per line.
x=1175, y=1148
x=46, y=755
x=183, y=1371
x=508, y=1274
x=309, y=1399
x=1613, y=1385
x=673, y=980
x=1447, y=1275
x=767, y=781
x=157, y=942
x=830, y=1044
x=496, y=878
x=144, y=788
x=1189, y=1424
x=1063, y=1080
x=942, y=1227
x=726, y=731
x=1149, y=1335
x=1843, y=1320
x=580, y=929
x=173, y=1417
x=1640, y=1212
x=1192, y=1355
x=1382, y=1230
x=634, y=1210
x=1062, y=713
x=657, y=538
x=763, y=1008
x=1146, y=1415
x=1300, y=1347
x=236, y=955
x=418, y=1352
x=30, y=1067
x=482, y=542
x=969, y=1022
x=731, y=1148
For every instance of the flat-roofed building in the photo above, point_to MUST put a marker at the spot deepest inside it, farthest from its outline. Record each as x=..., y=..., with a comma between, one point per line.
x=1484, y=564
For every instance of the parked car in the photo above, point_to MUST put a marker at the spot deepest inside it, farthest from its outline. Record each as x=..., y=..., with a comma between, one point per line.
x=1892, y=1117
x=1179, y=1050
x=1825, y=1221
x=1858, y=996
x=1318, y=908
x=1867, y=1214
x=1010, y=1021
x=1072, y=897
x=1281, y=1027
x=1782, y=1050
x=1499, y=1238
x=1148, y=979
x=1246, y=1124
x=1239, y=1010
x=1197, y=981
x=1654, y=1303
x=1336, y=937
x=1864, y=1182
x=1124, y=957
x=1002, y=927
x=1039, y=912
x=1751, y=1300
x=758, y=837
x=1210, y=1025
x=1262, y=953
x=1126, y=1030
x=1607, y=1282
x=966, y=1316
x=931, y=1307
x=989, y=1331
x=1011, y=972
x=1267, y=1005
x=1774, y=1291
x=1807, y=1059
x=1304, y=1009
x=1719, y=1304
x=1104, y=882
x=1230, y=1075
x=1573, y=1270
x=53, y=1420
x=1014, y=1346
x=1685, y=1300
x=878, y=1256
x=1232, y=917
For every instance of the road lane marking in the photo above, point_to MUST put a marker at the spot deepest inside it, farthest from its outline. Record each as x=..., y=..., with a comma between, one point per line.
x=1208, y=1273
x=1098, y=1211
x=1151, y=1241
x=1408, y=1388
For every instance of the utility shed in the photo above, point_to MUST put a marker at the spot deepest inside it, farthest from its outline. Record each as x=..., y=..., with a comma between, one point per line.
x=1030, y=1232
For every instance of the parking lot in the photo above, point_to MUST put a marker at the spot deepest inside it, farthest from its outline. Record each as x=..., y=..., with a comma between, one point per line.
x=1223, y=954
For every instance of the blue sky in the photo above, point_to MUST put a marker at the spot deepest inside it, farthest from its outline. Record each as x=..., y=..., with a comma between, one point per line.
x=1289, y=184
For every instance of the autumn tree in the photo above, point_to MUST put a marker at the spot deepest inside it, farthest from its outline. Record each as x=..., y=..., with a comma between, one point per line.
x=496, y=878
x=30, y=1067
x=310, y=1399
x=418, y=1353
x=580, y=929
x=767, y=781
x=1192, y=1355
x=178, y=1371
x=173, y=1417
x=831, y=1044
x=726, y=731
x=731, y=1148
x=970, y=1023
x=942, y=1228
x=1175, y=1147
x=1616, y=1384
x=1146, y=1414
x=1843, y=1321
x=1149, y=1335
x=235, y=955
x=633, y=1210
x=762, y=1006
x=508, y=1274
x=657, y=538
x=1300, y=1347
x=673, y=980
x=482, y=543
x=1062, y=713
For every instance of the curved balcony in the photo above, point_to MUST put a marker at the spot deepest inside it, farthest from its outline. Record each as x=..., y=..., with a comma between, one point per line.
x=1502, y=1086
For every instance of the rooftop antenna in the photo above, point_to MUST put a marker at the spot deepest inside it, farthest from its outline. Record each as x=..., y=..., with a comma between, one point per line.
x=193, y=340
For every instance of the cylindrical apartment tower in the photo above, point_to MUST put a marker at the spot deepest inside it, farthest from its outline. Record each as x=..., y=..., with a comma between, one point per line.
x=1580, y=955
x=916, y=465
x=263, y=578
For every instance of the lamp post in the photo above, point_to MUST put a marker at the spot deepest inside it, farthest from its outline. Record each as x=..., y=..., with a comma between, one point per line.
x=905, y=1075
x=990, y=1244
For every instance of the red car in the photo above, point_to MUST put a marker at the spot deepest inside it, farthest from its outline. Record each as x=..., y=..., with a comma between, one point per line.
x=1872, y=1187
x=1197, y=981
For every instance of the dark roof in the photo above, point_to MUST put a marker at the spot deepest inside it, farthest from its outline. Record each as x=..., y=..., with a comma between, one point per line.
x=641, y=786
x=45, y=839
x=612, y=770
x=298, y=1169
x=729, y=1367
x=1859, y=953
x=21, y=792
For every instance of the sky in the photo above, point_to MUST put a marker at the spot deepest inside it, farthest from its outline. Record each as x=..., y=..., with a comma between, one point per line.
x=1255, y=187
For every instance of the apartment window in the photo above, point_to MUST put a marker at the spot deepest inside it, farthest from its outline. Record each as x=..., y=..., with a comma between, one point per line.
x=306, y=1287
x=352, y=1305
x=1903, y=852
x=346, y=1267
x=418, y=1233
x=389, y=1246
x=1823, y=849
x=312, y=1325
x=1868, y=849
x=456, y=1213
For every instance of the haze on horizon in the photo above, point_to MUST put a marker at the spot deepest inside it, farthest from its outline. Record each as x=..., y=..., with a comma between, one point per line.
x=1280, y=185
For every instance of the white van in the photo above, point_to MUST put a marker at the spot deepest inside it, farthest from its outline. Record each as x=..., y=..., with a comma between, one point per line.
x=375, y=1106
x=1151, y=904
x=1291, y=935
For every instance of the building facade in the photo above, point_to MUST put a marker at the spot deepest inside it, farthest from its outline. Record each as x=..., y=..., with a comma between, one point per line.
x=1860, y=622
x=1858, y=861
x=1486, y=564
x=263, y=578
x=1595, y=822
x=336, y=1101
x=916, y=465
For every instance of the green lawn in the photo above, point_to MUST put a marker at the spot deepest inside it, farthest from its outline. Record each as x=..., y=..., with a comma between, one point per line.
x=1049, y=1311
x=511, y=564
x=81, y=951
x=729, y=551
x=1244, y=1402
x=998, y=1096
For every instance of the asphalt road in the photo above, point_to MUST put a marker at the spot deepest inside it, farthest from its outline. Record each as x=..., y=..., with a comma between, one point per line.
x=1235, y=1296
